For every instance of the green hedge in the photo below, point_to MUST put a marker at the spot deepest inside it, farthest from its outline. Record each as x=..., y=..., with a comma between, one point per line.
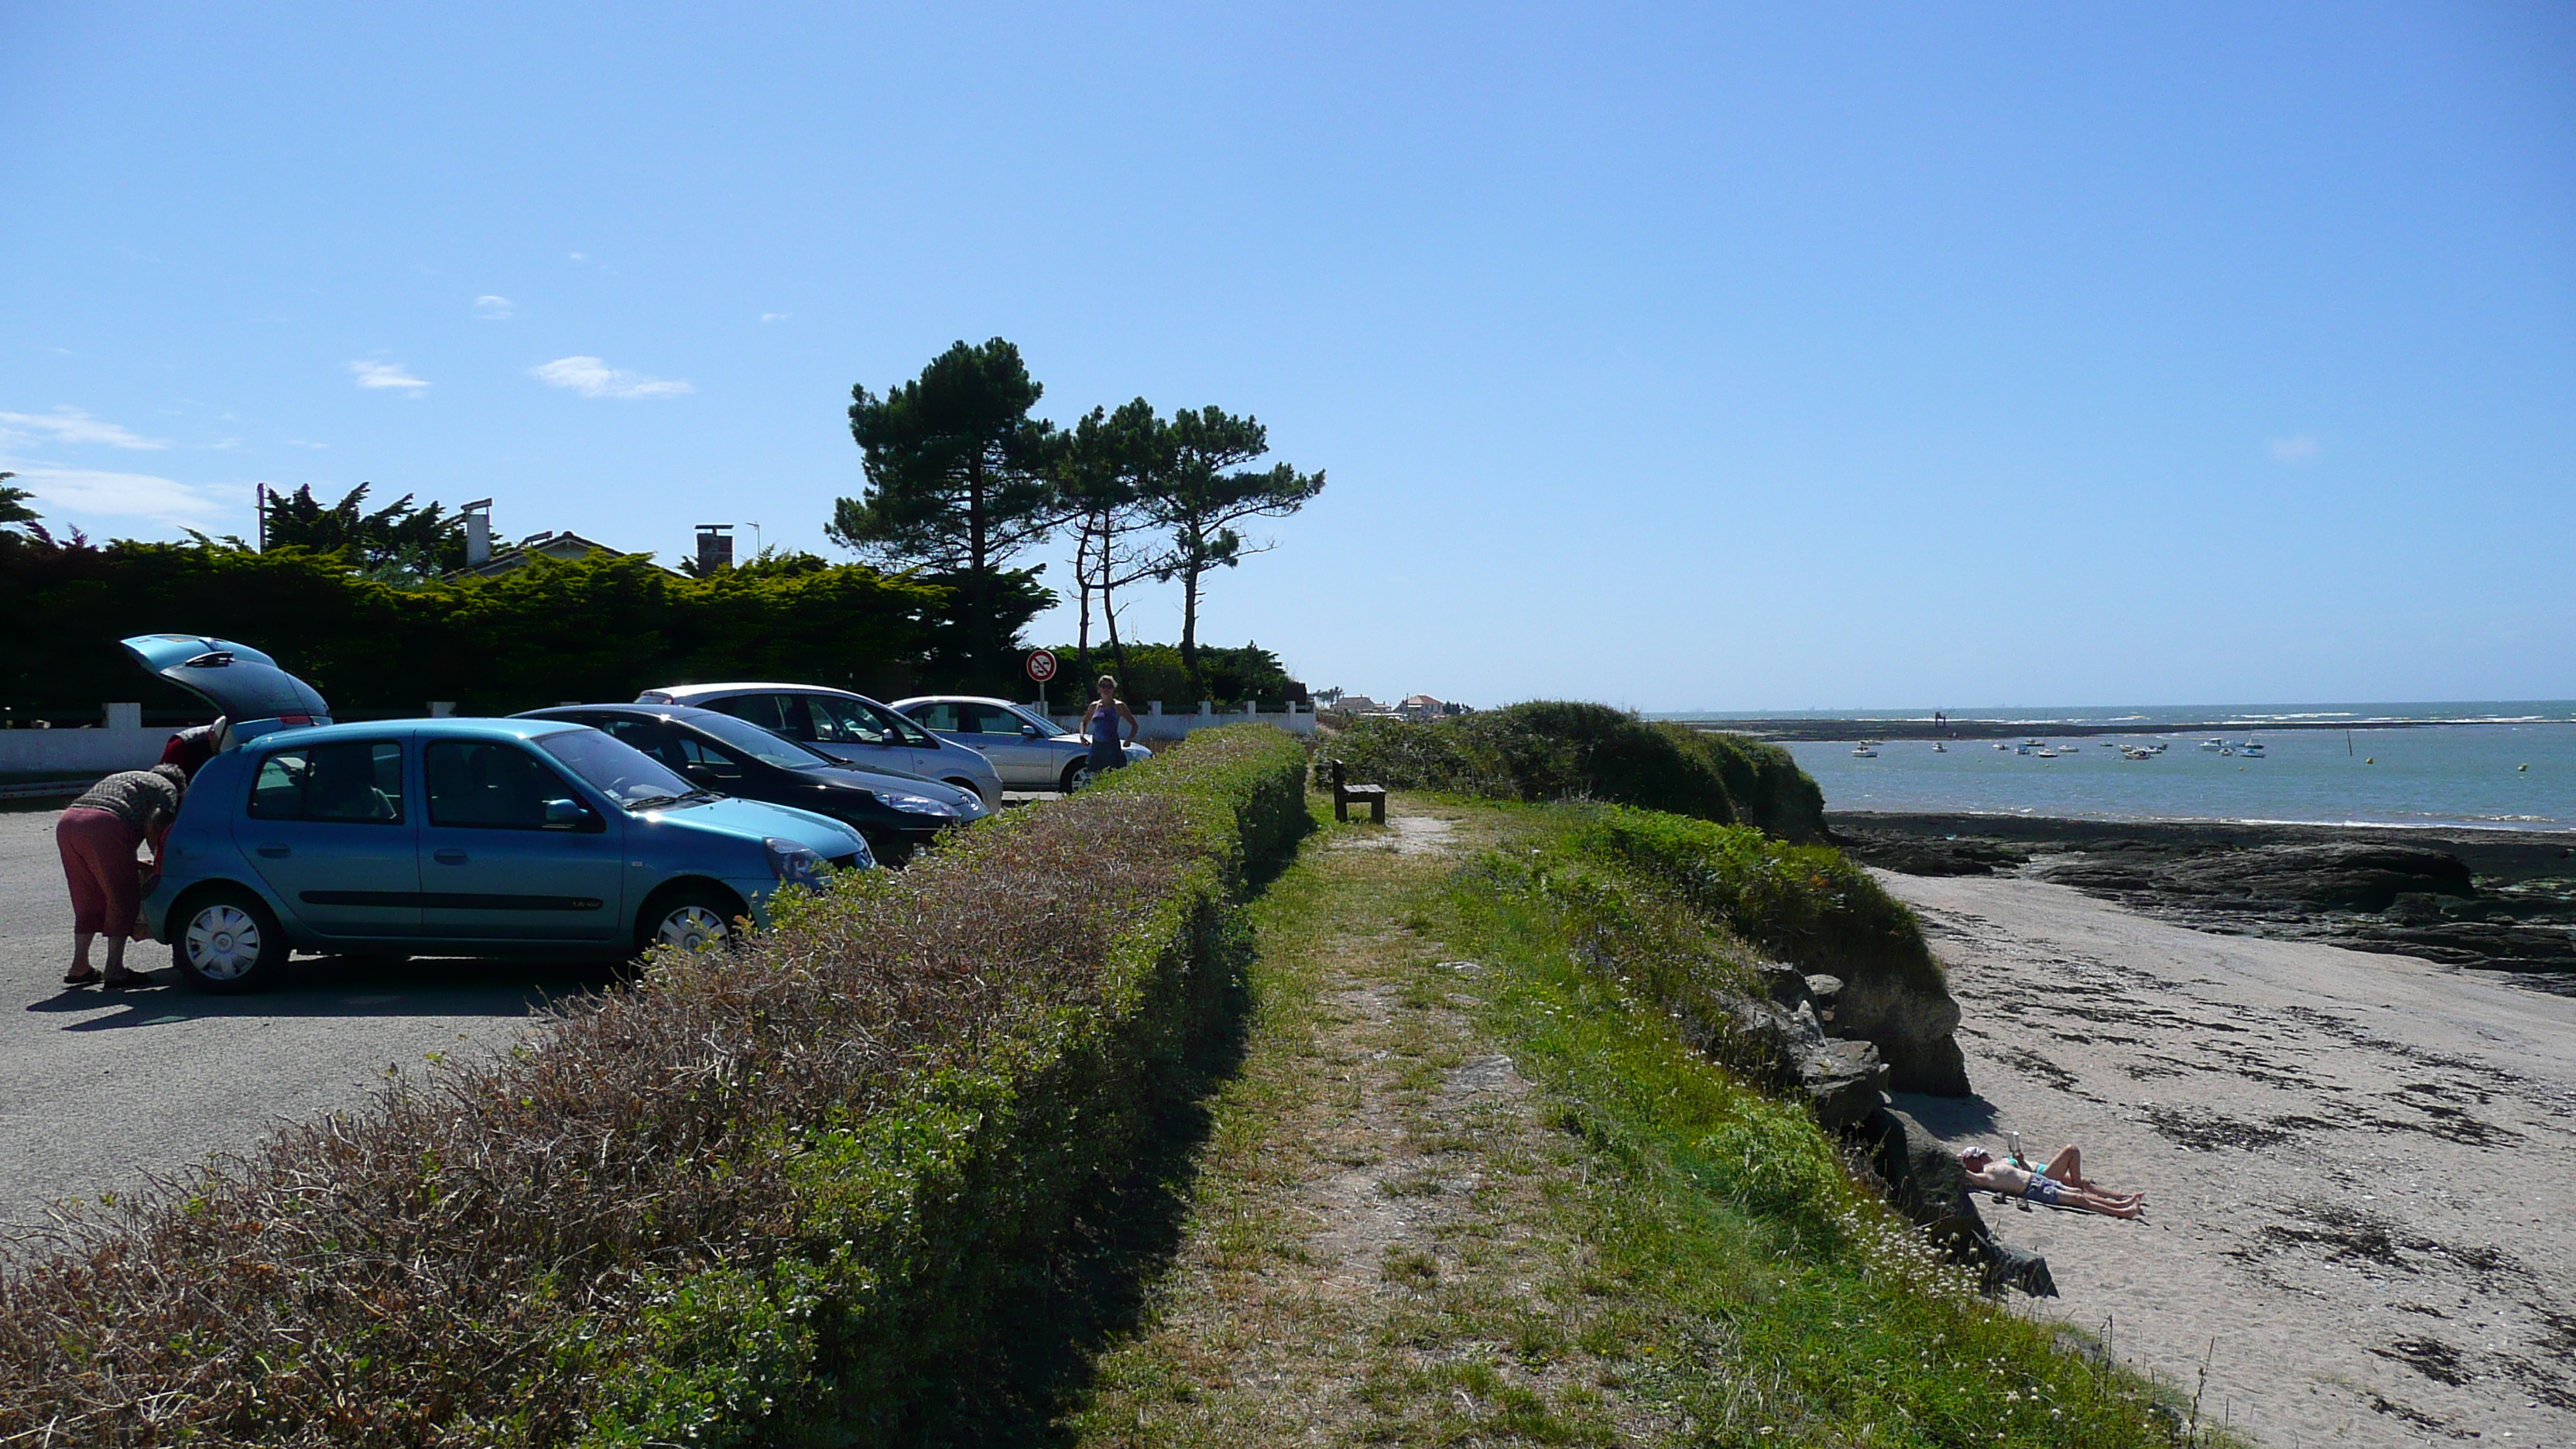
x=804, y=1192
x=598, y=629
x=1562, y=750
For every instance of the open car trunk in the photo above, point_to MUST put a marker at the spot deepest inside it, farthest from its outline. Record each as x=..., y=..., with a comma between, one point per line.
x=246, y=685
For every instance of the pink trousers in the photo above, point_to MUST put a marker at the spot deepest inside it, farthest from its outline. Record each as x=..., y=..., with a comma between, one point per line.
x=106, y=879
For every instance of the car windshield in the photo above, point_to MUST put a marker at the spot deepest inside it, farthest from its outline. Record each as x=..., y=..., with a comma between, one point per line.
x=866, y=719
x=1042, y=725
x=617, y=770
x=759, y=743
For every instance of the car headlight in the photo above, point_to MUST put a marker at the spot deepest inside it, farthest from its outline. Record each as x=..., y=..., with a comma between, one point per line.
x=911, y=804
x=793, y=864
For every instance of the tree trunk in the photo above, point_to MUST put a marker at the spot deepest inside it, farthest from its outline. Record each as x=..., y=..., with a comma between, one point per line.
x=1190, y=621
x=1082, y=583
x=980, y=664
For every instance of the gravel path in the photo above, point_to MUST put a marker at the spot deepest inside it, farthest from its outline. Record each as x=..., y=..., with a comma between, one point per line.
x=98, y=1091
x=2356, y=1165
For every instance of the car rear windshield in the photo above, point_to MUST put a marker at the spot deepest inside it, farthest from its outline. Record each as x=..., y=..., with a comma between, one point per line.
x=759, y=743
x=616, y=769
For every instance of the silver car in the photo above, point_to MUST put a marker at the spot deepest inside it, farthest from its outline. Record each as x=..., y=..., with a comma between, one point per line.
x=1025, y=746
x=849, y=727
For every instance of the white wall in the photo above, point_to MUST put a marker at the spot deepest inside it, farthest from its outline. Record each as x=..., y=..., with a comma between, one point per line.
x=122, y=743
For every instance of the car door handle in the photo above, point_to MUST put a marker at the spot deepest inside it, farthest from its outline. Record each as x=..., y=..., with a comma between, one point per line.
x=275, y=851
x=451, y=856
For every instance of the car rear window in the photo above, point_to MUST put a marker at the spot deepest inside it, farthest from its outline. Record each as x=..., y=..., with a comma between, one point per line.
x=778, y=713
x=356, y=783
x=938, y=715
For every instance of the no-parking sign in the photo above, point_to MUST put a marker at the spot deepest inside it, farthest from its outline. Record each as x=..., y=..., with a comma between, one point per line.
x=1041, y=665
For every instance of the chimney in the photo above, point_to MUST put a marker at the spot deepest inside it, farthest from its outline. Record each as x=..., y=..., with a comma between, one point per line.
x=715, y=547
x=478, y=532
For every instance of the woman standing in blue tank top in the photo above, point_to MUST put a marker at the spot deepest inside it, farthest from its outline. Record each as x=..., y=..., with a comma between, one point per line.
x=1101, y=726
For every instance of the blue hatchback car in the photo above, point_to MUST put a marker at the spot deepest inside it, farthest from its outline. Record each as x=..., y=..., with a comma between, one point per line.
x=454, y=837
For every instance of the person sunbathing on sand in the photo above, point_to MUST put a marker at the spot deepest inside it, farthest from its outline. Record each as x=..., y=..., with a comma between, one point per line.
x=2060, y=1184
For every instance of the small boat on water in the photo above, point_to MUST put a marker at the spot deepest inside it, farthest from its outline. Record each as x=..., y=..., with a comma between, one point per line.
x=2045, y=753
x=1862, y=751
x=1939, y=748
x=2252, y=750
x=2136, y=752
x=2218, y=745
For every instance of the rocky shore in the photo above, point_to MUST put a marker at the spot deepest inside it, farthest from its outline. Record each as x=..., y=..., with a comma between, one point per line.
x=2485, y=900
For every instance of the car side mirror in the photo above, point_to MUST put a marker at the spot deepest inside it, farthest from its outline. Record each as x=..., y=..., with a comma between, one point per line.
x=1029, y=731
x=565, y=814
x=890, y=737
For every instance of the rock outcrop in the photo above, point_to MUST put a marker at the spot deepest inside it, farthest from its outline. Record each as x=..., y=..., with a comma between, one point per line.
x=1926, y=1183
x=2495, y=900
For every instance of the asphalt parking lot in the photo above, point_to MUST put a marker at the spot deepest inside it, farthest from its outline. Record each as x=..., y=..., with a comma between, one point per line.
x=98, y=1091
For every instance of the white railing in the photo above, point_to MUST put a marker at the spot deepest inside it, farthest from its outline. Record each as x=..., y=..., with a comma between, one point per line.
x=1153, y=723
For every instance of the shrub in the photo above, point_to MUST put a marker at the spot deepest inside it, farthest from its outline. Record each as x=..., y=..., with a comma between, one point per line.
x=1682, y=912
x=786, y=1194
x=1154, y=671
x=1805, y=903
x=1557, y=750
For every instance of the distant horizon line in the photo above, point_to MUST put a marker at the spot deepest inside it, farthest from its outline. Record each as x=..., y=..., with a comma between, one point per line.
x=2356, y=710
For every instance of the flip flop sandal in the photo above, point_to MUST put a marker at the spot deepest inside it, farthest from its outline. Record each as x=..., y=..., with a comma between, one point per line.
x=81, y=977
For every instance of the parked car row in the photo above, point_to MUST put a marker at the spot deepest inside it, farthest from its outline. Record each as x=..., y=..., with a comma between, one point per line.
x=1026, y=748
x=574, y=830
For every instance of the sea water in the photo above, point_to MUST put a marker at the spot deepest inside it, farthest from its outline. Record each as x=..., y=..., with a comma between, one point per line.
x=2501, y=767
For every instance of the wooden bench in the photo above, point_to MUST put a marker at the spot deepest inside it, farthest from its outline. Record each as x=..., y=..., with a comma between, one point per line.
x=1346, y=795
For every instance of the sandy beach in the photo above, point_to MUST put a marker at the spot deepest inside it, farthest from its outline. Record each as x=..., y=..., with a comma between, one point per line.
x=2359, y=1166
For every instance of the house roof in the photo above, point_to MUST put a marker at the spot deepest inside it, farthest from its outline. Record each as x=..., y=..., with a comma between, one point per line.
x=564, y=546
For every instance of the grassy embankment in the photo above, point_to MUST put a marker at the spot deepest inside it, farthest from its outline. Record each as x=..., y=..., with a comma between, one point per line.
x=1475, y=1182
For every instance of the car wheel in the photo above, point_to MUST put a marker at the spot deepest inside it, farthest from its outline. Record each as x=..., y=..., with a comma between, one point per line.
x=227, y=941
x=694, y=918
x=1077, y=774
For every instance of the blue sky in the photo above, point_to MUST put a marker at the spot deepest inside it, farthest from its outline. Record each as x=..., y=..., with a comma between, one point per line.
x=1674, y=356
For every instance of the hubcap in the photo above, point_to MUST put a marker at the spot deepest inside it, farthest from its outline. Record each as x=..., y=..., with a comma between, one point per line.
x=223, y=943
x=691, y=928
x=1081, y=776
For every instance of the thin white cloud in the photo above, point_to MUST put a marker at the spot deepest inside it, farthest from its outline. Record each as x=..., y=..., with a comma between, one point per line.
x=581, y=256
x=773, y=316
x=385, y=374
x=305, y=443
x=71, y=425
x=593, y=378
x=2297, y=448
x=165, y=501
x=494, y=309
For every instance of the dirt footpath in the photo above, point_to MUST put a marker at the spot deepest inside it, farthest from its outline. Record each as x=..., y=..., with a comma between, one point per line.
x=1371, y=1258
x=2359, y=1167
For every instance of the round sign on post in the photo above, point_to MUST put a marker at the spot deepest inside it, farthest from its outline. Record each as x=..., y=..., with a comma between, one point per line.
x=1041, y=665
